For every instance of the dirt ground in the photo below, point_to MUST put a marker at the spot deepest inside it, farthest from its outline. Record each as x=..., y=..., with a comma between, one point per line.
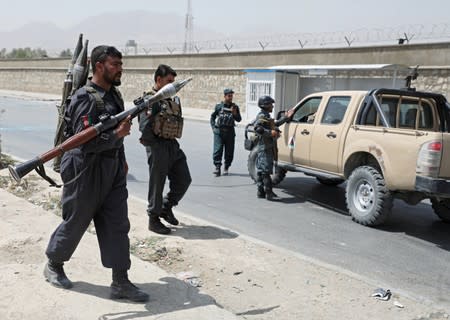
x=252, y=279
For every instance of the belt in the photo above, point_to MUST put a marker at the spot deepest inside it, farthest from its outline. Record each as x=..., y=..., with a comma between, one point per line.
x=111, y=153
x=226, y=128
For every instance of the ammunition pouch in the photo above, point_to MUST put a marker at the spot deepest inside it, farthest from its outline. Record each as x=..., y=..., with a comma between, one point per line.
x=169, y=122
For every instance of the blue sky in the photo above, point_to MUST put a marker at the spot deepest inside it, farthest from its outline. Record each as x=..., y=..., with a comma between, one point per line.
x=233, y=16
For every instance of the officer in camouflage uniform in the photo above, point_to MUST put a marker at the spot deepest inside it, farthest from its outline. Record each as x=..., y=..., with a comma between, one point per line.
x=222, y=123
x=95, y=180
x=160, y=126
x=267, y=133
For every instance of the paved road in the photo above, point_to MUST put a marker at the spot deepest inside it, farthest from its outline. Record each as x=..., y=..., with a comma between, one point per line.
x=411, y=252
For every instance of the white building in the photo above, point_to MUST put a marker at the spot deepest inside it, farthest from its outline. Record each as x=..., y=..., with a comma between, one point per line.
x=289, y=84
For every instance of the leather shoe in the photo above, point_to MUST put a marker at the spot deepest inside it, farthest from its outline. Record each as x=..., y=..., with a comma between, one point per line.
x=167, y=214
x=54, y=273
x=127, y=290
x=156, y=225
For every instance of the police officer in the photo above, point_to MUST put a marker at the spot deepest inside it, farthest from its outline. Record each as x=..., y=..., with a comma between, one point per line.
x=95, y=181
x=267, y=133
x=222, y=122
x=160, y=126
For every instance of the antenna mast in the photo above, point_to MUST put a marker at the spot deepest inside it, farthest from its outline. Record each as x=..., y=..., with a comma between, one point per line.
x=189, y=30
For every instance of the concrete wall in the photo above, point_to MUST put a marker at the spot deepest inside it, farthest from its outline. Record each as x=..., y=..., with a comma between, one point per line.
x=213, y=72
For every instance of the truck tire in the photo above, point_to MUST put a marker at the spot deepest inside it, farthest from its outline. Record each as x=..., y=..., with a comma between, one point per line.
x=369, y=202
x=251, y=164
x=441, y=208
x=329, y=182
x=277, y=177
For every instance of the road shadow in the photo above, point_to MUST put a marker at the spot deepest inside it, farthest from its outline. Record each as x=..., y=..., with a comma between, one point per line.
x=418, y=221
x=195, y=232
x=168, y=295
x=305, y=188
x=255, y=312
x=233, y=174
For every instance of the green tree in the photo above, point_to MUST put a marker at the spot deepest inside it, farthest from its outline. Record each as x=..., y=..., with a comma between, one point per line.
x=67, y=53
x=26, y=53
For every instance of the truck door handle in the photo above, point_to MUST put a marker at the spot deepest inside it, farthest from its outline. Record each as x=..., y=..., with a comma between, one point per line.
x=331, y=135
x=304, y=132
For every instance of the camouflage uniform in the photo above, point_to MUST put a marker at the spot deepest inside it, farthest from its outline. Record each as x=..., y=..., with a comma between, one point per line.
x=267, y=151
x=222, y=123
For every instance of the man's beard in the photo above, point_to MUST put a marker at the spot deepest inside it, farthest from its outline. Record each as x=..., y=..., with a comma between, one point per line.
x=112, y=80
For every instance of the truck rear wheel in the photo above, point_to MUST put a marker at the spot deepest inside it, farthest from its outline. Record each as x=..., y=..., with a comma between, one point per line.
x=277, y=177
x=441, y=208
x=369, y=202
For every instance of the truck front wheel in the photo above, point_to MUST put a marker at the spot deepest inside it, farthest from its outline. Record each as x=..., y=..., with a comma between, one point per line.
x=369, y=202
x=442, y=208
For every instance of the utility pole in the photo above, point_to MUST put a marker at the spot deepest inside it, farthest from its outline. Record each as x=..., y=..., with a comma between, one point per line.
x=189, y=30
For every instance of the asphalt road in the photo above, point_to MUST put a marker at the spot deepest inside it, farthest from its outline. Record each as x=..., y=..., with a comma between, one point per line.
x=410, y=253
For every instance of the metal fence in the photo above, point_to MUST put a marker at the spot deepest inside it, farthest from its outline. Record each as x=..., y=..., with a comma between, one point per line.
x=406, y=34
x=400, y=35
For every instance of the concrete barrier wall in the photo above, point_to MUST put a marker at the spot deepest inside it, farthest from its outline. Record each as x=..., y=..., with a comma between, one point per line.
x=213, y=72
x=437, y=54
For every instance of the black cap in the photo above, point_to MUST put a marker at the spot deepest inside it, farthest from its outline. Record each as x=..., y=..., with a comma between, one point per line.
x=227, y=91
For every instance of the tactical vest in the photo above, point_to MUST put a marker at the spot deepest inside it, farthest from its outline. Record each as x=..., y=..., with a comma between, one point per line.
x=63, y=132
x=224, y=119
x=168, y=123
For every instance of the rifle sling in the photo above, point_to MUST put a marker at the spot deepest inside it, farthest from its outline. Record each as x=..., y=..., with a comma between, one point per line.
x=41, y=171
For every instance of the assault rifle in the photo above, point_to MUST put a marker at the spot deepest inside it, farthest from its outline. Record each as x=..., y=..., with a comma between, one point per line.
x=107, y=123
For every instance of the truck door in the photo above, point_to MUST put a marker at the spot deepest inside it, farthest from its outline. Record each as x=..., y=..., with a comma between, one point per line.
x=328, y=135
x=294, y=142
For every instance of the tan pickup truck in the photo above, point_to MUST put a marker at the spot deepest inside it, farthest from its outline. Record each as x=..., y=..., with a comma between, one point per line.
x=384, y=143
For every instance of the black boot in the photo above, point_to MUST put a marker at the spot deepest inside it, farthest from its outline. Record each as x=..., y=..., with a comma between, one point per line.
x=259, y=183
x=270, y=195
x=167, y=214
x=54, y=273
x=217, y=171
x=261, y=194
x=155, y=225
x=225, y=171
x=122, y=288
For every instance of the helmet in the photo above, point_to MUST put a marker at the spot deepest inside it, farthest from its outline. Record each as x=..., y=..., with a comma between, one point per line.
x=265, y=101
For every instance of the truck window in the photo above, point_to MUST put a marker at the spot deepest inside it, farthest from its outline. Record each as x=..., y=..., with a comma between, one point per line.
x=306, y=111
x=425, y=116
x=335, y=110
x=402, y=112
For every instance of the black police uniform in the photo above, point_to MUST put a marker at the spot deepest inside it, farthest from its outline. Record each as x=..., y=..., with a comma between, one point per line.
x=222, y=123
x=96, y=185
x=165, y=160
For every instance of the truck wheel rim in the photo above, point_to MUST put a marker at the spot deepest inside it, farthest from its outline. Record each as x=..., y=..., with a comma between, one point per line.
x=364, y=196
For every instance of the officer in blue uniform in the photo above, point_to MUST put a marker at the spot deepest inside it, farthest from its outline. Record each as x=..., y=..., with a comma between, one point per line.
x=267, y=133
x=223, y=120
x=95, y=184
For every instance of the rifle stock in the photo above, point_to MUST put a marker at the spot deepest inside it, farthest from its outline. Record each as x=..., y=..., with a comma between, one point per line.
x=20, y=170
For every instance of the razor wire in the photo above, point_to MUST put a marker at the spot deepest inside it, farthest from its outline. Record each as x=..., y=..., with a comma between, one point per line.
x=399, y=35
